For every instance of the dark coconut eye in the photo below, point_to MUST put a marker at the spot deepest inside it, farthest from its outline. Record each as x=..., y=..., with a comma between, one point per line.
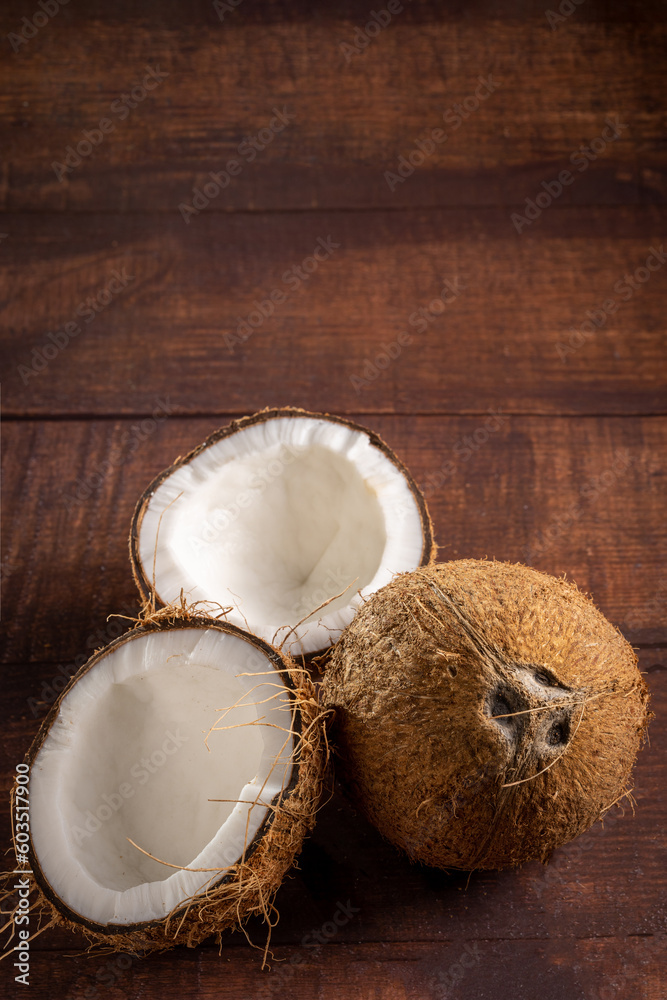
x=558, y=733
x=499, y=708
x=502, y=707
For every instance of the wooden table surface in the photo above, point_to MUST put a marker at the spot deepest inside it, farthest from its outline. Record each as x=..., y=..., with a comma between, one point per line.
x=487, y=186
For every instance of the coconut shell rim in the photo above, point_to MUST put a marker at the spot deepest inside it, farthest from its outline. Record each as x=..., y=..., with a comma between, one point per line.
x=146, y=589
x=287, y=670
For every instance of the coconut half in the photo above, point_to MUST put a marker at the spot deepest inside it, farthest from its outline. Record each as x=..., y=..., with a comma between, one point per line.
x=485, y=713
x=172, y=783
x=276, y=514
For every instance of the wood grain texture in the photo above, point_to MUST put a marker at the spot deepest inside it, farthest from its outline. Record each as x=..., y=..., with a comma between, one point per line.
x=353, y=114
x=568, y=968
x=536, y=434
x=568, y=496
x=172, y=303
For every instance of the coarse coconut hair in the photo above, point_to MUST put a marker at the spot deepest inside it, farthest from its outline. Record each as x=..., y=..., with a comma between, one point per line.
x=485, y=713
x=230, y=893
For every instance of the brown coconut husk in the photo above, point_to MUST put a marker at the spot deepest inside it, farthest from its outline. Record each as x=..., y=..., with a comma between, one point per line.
x=236, y=892
x=485, y=713
x=144, y=576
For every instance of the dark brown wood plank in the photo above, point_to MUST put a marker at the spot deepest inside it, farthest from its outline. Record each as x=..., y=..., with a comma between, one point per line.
x=568, y=475
x=576, y=969
x=515, y=329
x=355, y=113
x=171, y=14
x=581, y=497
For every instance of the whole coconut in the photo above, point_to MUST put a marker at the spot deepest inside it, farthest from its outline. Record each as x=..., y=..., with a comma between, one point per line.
x=485, y=713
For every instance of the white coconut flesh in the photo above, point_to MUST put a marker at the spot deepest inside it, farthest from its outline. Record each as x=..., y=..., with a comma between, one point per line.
x=278, y=518
x=127, y=757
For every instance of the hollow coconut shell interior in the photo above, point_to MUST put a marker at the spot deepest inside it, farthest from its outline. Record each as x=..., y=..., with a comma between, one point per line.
x=290, y=518
x=241, y=875
x=485, y=713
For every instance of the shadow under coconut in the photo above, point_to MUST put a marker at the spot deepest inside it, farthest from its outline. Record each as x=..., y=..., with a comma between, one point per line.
x=345, y=863
x=346, y=858
x=327, y=886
